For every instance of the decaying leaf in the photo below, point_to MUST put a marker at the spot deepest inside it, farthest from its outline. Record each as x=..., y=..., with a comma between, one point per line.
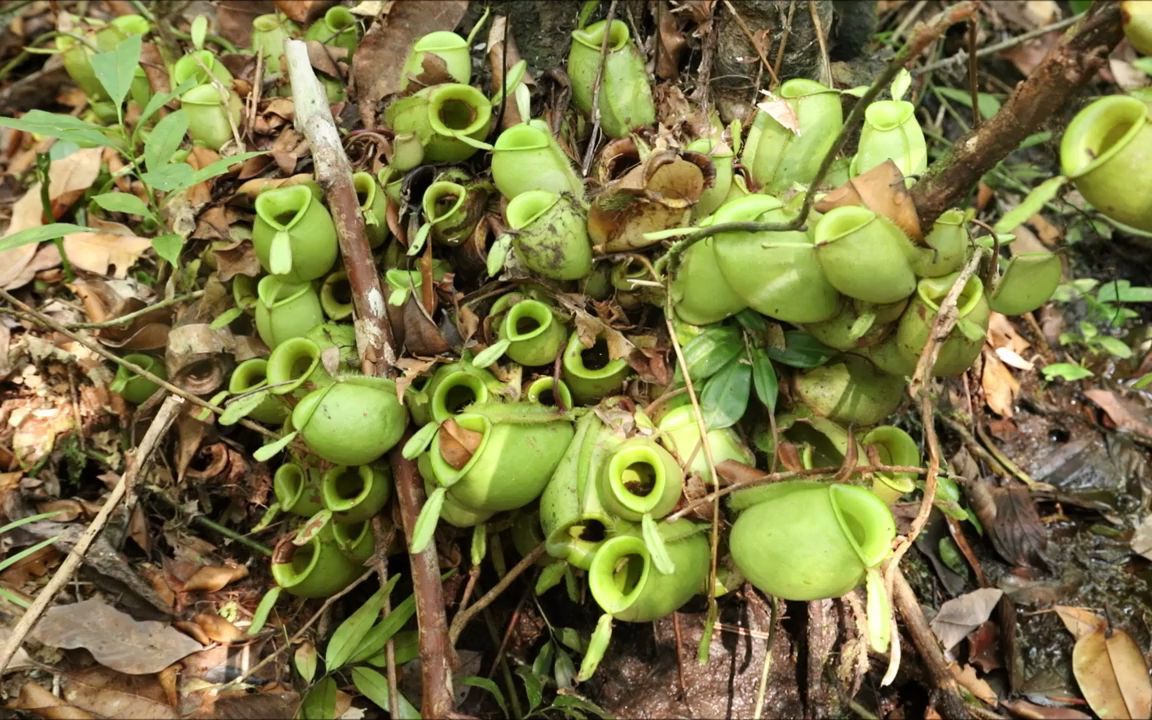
x=966, y=678
x=303, y=11
x=38, y=699
x=1081, y=622
x=782, y=112
x=1112, y=674
x=1127, y=414
x=883, y=191
x=111, y=694
x=458, y=444
x=1000, y=387
x=211, y=578
x=115, y=639
x=97, y=252
x=960, y=616
x=1142, y=539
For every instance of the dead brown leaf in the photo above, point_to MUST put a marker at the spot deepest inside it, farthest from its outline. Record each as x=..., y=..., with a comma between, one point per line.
x=670, y=46
x=41, y=701
x=214, y=577
x=115, y=695
x=1030, y=711
x=96, y=252
x=966, y=677
x=116, y=639
x=386, y=45
x=1000, y=386
x=654, y=196
x=303, y=11
x=881, y=190
x=1081, y=622
x=1127, y=415
x=458, y=444
x=1112, y=674
x=68, y=178
x=218, y=629
x=960, y=616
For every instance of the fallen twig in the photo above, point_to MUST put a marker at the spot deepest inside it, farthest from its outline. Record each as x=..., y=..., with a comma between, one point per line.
x=466, y=614
x=378, y=355
x=136, y=463
x=594, y=137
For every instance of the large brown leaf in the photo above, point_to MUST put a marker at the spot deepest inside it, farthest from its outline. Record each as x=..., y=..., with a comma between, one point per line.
x=1112, y=674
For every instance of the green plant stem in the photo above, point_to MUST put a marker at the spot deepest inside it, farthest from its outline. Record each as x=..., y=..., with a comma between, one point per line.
x=913, y=48
x=232, y=535
x=129, y=317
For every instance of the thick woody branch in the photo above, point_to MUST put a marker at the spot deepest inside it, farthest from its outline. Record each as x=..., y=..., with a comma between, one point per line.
x=374, y=341
x=1043, y=95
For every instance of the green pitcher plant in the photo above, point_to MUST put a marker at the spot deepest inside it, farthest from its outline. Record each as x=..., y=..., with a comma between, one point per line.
x=355, y=494
x=268, y=35
x=352, y=421
x=777, y=155
x=801, y=540
x=297, y=488
x=534, y=333
x=589, y=371
x=850, y=390
x=337, y=27
x=252, y=376
x=960, y=349
x=316, y=569
x=373, y=207
x=889, y=445
x=137, y=388
x=294, y=235
x=527, y=157
x=550, y=234
x=450, y=121
x=891, y=132
x=201, y=67
x=213, y=114
x=448, y=49
x=865, y=256
x=295, y=366
x=285, y=310
x=680, y=434
x=625, y=97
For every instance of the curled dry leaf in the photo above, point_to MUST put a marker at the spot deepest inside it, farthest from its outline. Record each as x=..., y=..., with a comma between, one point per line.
x=97, y=252
x=1112, y=674
x=883, y=191
x=960, y=616
x=303, y=11
x=966, y=678
x=1081, y=622
x=1000, y=387
x=106, y=300
x=458, y=444
x=1127, y=415
x=41, y=701
x=116, y=639
x=199, y=357
x=211, y=578
x=218, y=629
x=112, y=694
x=656, y=195
x=1030, y=711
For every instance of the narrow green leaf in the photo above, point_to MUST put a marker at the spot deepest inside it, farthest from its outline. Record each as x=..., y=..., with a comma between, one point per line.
x=988, y=105
x=122, y=202
x=242, y=406
x=351, y=632
x=405, y=647
x=543, y=662
x=1030, y=205
x=320, y=702
x=563, y=670
x=492, y=353
x=13, y=559
x=711, y=350
x=168, y=178
x=265, y=453
x=374, y=686
x=764, y=378
x=312, y=527
x=420, y=441
x=28, y=520
x=199, y=31
x=165, y=139
x=900, y=84
x=263, y=610
x=226, y=318
x=421, y=238
x=116, y=68
x=1067, y=371
x=488, y=686
x=14, y=598
x=550, y=576
x=801, y=350
x=1115, y=347
x=40, y=234
x=1121, y=291
x=427, y=520
x=655, y=544
x=498, y=255
x=597, y=646
x=479, y=543
x=378, y=636
x=533, y=687
x=306, y=661
x=63, y=127
x=725, y=395
x=168, y=247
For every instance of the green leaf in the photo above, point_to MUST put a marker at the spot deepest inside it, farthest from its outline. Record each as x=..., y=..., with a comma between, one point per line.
x=427, y=520
x=28, y=520
x=405, y=647
x=568, y=700
x=122, y=202
x=374, y=686
x=479, y=543
x=64, y=127
x=225, y=318
x=1079, y=6
x=989, y=104
x=1115, y=347
x=306, y=661
x=421, y=238
x=116, y=68
x=1066, y=371
x=165, y=139
x=320, y=702
x=1121, y=291
x=764, y=378
x=900, y=84
x=180, y=175
x=420, y=441
x=801, y=350
x=348, y=637
x=711, y=350
x=264, y=609
x=725, y=395
x=1141, y=383
x=488, y=686
x=376, y=638
x=655, y=544
x=40, y=234
x=1030, y=205
x=168, y=247
x=492, y=353
x=312, y=527
x=597, y=646
x=199, y=31
x=543, y=662
x=265, y=453
x=242, y=406
x=533, y=687
x=498, y=255
x=563, y=670
x=11, y=560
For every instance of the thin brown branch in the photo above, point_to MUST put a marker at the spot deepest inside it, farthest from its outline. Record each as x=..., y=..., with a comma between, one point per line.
x=378, y=356
x=1045, y=94
x=594, y=137
x=949, y=701
x=136, y=464
x=465, y=615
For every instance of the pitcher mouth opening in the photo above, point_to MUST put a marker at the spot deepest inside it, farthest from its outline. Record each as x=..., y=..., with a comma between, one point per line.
x=618, y=573
x=1099, y=132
